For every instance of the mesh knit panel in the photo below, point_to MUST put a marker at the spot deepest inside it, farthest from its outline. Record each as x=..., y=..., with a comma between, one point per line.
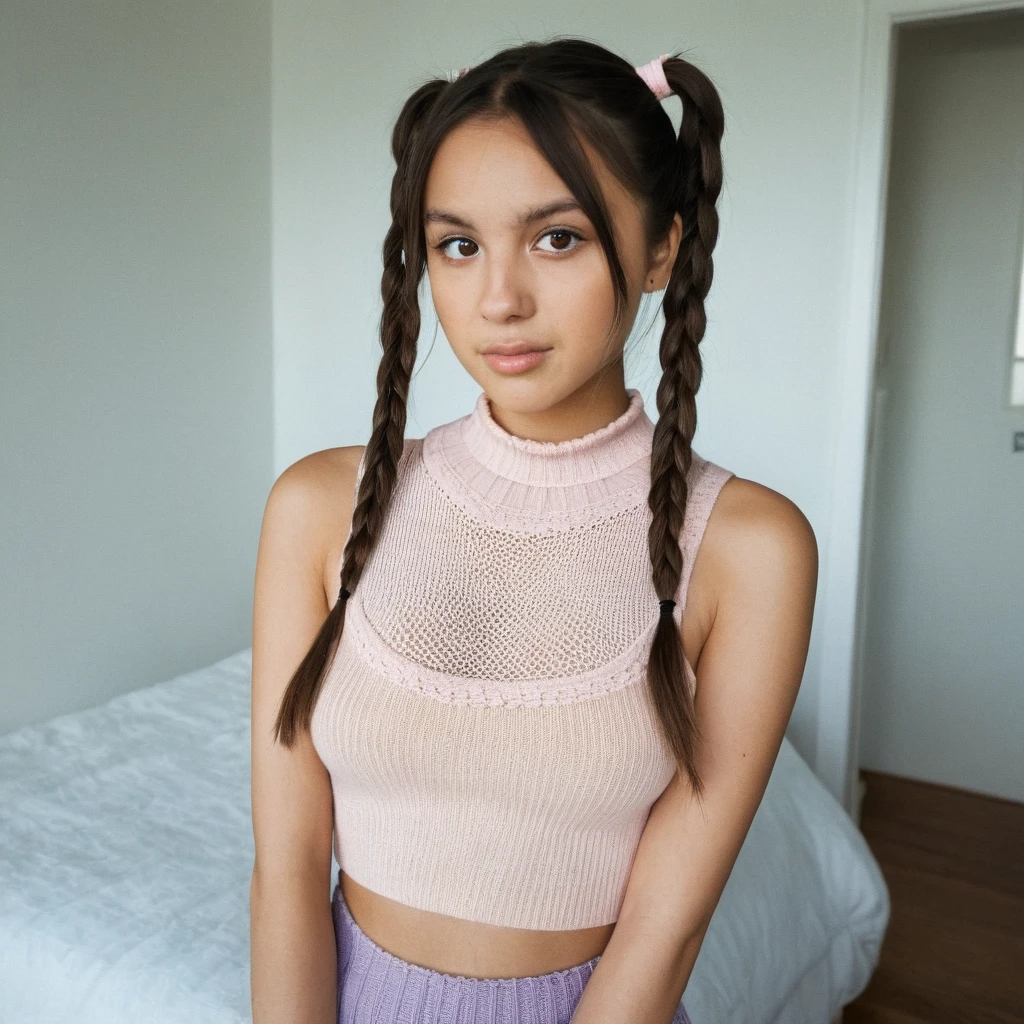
x=468, y=599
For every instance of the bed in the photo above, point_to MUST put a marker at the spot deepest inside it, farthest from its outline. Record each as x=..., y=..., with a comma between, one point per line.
x=126, y=851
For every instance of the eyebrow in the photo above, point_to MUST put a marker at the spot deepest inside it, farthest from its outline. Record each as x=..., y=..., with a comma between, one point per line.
x=524, y=219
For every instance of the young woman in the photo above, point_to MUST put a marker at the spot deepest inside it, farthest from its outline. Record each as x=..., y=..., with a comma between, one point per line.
x=471, y=668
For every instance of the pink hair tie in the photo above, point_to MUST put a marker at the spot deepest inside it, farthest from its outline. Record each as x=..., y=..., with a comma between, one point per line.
x=653, y=73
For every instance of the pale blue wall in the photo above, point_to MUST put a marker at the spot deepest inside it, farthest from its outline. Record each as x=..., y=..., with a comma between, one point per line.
x=135, y=346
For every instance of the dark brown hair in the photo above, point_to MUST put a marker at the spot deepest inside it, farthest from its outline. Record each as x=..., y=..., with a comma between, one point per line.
x=560, y=90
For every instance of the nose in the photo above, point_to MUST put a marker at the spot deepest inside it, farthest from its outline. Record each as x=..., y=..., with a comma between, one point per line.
x=507, y=290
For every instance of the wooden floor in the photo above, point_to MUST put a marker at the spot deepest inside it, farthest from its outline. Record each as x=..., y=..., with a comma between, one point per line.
x=954, y=863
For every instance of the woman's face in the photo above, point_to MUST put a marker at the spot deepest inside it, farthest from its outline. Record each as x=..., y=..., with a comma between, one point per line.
x=511, y=258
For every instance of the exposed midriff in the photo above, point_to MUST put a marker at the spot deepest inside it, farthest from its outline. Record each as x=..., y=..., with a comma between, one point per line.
x=469, y=948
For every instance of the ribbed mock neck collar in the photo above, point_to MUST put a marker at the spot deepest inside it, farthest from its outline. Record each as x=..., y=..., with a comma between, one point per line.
x=594, y=456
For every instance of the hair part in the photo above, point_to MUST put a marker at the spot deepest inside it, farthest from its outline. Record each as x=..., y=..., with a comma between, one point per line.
x=562, y=91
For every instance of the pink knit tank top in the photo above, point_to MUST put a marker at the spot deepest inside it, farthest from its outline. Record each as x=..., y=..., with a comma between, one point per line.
x=492, y=746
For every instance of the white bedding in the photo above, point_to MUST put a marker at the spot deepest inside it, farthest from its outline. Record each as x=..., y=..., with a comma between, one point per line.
x=126, y=851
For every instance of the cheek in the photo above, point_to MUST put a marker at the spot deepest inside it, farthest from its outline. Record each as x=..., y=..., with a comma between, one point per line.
x=451, y=301
x=581, y=295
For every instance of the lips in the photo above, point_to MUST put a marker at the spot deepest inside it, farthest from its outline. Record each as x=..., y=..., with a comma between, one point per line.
x=525, y=359
x=513, y=348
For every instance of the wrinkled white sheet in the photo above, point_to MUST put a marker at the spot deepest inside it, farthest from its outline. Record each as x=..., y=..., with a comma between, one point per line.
x=126, y=852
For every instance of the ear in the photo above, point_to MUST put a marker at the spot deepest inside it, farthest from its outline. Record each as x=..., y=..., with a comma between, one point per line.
x=663, y=258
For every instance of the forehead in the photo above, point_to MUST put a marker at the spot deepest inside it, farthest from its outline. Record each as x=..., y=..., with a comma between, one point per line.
x=492, y=170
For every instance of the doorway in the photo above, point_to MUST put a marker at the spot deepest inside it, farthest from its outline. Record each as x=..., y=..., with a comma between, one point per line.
x=940, y=754
x=941, y=655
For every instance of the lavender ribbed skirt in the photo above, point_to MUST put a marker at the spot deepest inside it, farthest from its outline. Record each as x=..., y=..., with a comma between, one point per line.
x=378, y=987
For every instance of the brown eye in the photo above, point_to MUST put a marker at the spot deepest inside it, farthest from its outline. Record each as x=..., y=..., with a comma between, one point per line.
x=560, y=238
x=462, y=244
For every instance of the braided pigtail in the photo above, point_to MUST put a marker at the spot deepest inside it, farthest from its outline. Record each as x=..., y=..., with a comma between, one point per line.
x=700, y=162
x=399, y=331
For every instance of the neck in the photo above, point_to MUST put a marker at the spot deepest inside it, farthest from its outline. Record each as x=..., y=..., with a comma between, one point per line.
x=595, y=455
x=582, y=412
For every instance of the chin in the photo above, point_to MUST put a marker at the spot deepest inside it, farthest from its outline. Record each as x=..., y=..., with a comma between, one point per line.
x=527, y=394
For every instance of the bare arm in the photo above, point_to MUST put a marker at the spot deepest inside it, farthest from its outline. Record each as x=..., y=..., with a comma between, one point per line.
x=293, y=956
x=761, y=565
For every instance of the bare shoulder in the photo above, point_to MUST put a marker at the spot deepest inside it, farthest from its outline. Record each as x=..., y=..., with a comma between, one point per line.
x=313, y=498
x=754, y=528
x=320, y=476
x=757, y=543
x=760, y=573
